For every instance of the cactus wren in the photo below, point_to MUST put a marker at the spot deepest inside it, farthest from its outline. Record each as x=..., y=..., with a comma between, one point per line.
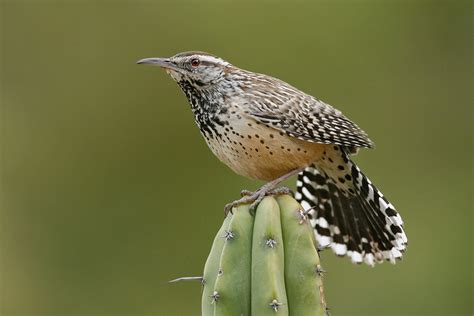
x=263, y=128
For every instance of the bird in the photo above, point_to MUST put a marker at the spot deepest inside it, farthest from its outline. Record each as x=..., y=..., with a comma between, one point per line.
x=265, y=129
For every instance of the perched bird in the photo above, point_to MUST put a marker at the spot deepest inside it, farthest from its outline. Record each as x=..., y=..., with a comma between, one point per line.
x=265, y=129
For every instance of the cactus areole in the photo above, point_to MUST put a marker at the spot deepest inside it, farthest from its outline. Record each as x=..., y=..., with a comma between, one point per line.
x=265, y=264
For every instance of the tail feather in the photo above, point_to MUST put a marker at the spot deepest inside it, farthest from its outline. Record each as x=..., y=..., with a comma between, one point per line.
x=342, y=221
x=352, y=218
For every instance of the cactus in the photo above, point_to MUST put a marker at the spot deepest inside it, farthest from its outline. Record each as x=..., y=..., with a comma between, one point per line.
x=265, y=264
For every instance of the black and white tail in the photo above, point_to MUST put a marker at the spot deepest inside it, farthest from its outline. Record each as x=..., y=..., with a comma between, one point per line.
x=347, y=211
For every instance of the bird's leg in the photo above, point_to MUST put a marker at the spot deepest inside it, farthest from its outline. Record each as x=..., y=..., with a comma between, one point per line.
x=280, y=191
x=254, y=198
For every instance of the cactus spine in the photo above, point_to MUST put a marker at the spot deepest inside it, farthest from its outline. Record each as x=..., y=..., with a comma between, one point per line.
x=265, y=264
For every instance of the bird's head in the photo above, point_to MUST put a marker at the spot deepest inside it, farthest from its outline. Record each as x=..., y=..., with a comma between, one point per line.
x=197, y=68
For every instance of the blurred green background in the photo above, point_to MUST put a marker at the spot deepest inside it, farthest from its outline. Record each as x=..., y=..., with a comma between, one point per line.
x=108, y=190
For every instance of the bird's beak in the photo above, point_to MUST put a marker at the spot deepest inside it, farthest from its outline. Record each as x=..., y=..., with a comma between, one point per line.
x=161, y=62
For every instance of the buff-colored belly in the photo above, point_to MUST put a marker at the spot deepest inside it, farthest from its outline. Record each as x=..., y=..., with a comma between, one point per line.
x=260, y=152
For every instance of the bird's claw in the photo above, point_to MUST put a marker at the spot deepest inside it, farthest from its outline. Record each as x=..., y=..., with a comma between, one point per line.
x=258, y=198
x=254, y=198
x=228, y=209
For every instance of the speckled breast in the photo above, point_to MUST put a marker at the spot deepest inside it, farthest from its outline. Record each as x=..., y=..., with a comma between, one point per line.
x=256, y=151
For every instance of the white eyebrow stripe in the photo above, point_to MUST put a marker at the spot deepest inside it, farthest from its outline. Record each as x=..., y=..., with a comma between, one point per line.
x=211, y=59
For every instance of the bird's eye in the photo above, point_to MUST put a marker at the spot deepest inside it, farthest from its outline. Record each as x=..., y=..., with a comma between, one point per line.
x=195, y=62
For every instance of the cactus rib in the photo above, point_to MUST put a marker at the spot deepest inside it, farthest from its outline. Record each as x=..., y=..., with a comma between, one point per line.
x=233, y=281
x=268, y=278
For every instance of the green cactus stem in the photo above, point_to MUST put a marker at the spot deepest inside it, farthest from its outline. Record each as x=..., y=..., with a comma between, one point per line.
x=233, y=279
x=268, y=261
x=211, y=270
x=265, y=264
x=302, y=267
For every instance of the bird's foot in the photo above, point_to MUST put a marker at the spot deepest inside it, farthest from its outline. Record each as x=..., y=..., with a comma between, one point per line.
x=246, y=193
x=254, y=198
